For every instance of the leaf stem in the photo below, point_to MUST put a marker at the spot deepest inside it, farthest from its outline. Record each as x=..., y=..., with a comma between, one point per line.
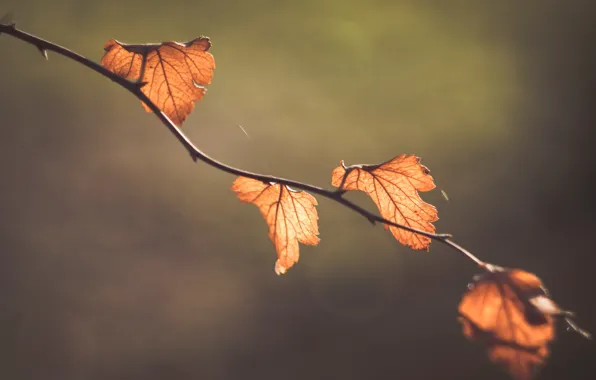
x=198, y=155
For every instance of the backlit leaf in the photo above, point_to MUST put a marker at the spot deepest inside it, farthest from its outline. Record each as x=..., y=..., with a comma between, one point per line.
x=394, y=187
x=291, y=216
x=509, y=311
x=174, y=73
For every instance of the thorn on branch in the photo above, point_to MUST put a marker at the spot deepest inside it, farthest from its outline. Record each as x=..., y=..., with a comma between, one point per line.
x=43, y=52
x=572, y=326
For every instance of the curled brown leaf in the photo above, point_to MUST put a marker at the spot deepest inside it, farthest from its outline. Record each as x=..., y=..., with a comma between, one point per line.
x=394, y=187
x=172, y=74
x=509, y=311
x=291, y=216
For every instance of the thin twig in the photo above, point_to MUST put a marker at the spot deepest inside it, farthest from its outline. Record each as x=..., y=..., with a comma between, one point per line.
x=196, y=154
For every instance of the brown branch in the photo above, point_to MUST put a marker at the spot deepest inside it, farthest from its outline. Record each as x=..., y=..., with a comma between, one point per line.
x=197, y=155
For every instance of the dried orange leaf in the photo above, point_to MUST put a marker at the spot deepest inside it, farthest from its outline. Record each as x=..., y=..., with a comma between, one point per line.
x=394, y=187
x=174, y=74
x=509, y=311
x=291, y=216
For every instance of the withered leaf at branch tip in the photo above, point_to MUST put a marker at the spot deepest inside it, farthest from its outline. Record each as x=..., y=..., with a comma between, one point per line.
x=291, y=216
x=510, y=312
x=394, y=187
x=173, y=74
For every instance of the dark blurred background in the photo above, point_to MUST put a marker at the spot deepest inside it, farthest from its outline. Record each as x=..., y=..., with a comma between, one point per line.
x=121, y=259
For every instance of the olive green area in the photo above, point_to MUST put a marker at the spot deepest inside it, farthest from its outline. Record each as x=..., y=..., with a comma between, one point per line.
x=122, y=259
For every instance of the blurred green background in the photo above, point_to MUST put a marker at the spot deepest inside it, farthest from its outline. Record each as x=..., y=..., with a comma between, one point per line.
x=121, y=259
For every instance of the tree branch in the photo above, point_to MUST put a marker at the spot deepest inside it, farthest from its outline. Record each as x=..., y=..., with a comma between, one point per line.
x=197, y=155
